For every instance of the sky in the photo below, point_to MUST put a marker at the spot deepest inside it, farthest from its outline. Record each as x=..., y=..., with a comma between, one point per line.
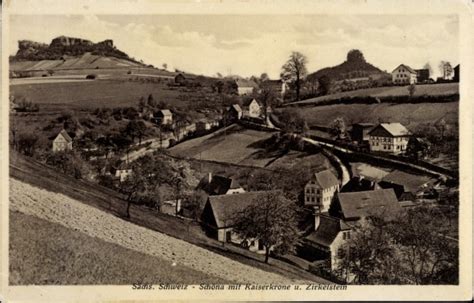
x=248, y=45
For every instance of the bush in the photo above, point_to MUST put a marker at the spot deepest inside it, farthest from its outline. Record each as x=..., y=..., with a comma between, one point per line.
x=26, y=143
x=91, y=76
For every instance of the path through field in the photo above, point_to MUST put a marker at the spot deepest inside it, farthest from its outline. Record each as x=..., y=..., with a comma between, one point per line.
x=60, y=209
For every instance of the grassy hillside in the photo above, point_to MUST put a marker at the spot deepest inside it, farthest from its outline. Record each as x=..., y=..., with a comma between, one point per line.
x=388, y=91
x=101, y=93
x=408, y=114
x=42, y=253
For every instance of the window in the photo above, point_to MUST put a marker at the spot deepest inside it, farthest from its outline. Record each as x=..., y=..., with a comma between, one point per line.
x=346, y=235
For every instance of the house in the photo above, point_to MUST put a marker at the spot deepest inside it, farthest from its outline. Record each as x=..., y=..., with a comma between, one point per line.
x=422, y=75
x=122, y=171
x=164, y=117
x=218, y=217
x=325, y=241
x=245, y=87
x=360, y=132
x=456, y=74
x=171, y=207
x=353, y=206
x=62, y=142
x=234, y=112
x=407, y=187
x=389, y=138
x=252, y=108
x=278, y=87
x=404, y=74
x=360, y=183
x=320, y=189
x=219, y=185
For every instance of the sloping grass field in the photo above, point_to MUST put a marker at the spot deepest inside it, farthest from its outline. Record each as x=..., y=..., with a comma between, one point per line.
x=409, y=115
x=440, y=89
x=98, y=93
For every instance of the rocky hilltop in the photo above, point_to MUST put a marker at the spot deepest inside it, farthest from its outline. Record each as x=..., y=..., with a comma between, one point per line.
x=65, y=46
x=354, y=67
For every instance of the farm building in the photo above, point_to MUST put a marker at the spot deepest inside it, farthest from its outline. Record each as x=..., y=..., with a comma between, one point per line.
x=353, y=206
x=360, y=132
x=205, y=125
x=278, y=87
x=234, y=112
x=320, y=190
x=245, y=87
x=218, y=217
x=171, y=207
x=456, y=73
x=219, y=185
x=389, y=138
x=122, y=171
x=252, y=108
x=404, y=74
x=62, y=142
x=422, y=75
x=418, y=148
x=407, y=187
x=164, y=117
x=326, y=239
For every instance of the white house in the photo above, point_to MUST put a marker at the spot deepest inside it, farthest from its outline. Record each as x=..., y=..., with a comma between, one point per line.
x=320, y=190
x=245, y=87
x=164, y=116
x=389, y=138
x=62, y=142
x=404, y=74
x=252, y=108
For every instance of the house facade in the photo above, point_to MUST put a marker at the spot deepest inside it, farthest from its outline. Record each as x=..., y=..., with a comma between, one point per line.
x=253, y=109
x=404, y=74
x=320, y=190
x=164, y=117
x=389, y=138
x=245, y=87
x=62, y=142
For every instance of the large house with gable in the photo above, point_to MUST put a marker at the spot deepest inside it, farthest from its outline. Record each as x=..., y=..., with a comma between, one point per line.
x=389, y=138
x=320, y=190
x=245, y=87
x=404, y=74
x=62, y=142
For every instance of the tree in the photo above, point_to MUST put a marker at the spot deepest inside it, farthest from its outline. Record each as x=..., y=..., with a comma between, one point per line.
x=293, y=121
x=446, y=69
x=294, y=70
x=428, y=67
x=271, y=220
x=355, y=55
x=338, y=127
x=411, y=89
x=324, y=85
x=151, y=101
x=136, y=129
x=26, y=143
x=264, y=77
x=131, y=187
x=165, y=66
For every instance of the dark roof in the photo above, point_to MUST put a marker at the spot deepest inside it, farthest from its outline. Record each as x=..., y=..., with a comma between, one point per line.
x=394, y=129
x=356, y=205
x=410, y=182
x=329, y=228
x=245, y=83
x=224, y=207
x=219, y=185
x=411, y=70
x=363, y=124
x=65, y=135
x=236, y=107
x=326, y=179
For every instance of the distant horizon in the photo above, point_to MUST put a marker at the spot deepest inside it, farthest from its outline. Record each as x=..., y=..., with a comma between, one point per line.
x=251, y=45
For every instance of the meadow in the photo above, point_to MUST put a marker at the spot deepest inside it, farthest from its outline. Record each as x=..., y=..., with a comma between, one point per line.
x=440, y=89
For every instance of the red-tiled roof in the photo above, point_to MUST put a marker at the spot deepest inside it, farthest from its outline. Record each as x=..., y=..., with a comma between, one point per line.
x=394, y=129
x=245, y=83
x=410, y=182
x=411, y=70
x=326, y=179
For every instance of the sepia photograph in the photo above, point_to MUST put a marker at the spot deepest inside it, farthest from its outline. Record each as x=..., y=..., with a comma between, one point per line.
x=234, y=152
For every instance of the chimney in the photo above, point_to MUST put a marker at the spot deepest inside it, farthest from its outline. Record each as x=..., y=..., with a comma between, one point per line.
x=210, y=177
x=317, y=218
